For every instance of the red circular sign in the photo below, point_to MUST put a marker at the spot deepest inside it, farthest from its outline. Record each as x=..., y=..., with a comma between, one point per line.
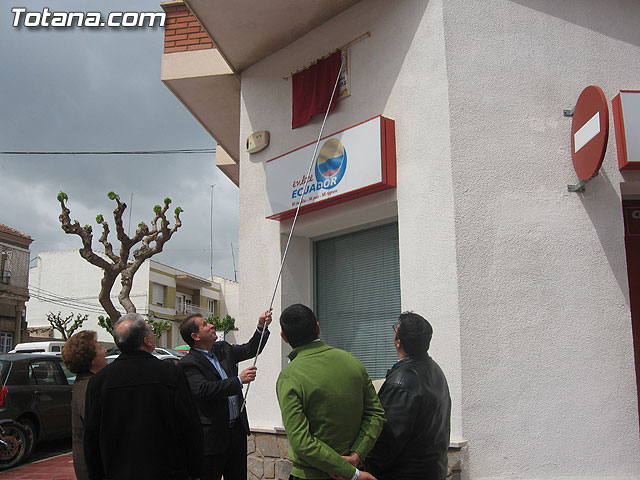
x=589, y=132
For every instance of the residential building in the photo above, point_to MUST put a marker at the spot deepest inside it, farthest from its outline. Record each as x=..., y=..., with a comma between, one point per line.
x=466, y=218
x=14, y=281
x=62, y=281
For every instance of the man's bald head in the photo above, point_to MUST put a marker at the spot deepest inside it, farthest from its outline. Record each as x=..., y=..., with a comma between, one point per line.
x=130, y=333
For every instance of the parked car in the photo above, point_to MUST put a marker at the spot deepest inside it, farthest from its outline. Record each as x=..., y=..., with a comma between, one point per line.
x=35, y=403
x=163, y=353
x=39, y=347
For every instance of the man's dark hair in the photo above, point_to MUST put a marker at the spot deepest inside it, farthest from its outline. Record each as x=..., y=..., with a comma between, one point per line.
x=415, y=334
x=129, y=332
x=189, y=326
x=298, y=323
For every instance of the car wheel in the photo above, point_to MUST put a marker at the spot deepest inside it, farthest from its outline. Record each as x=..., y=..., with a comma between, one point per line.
x=31, y=436
x=14, y=445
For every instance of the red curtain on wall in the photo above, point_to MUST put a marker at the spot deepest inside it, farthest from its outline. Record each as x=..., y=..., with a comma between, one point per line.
x=312, y=89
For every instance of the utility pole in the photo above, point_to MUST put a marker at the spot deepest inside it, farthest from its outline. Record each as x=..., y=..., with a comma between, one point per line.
x=233, y=257
x=130, y=210
x=211, y=238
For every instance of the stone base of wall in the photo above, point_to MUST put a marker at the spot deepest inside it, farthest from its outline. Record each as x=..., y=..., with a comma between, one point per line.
x=456, y=461
x=267, y=457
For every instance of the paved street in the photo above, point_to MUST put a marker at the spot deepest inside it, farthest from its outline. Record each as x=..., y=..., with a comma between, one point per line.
x=49, y=461
x=59, y=467
x=49, y=449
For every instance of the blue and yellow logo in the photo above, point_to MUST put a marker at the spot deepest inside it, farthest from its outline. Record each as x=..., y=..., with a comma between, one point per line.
x=331, y=163
x=330, y=167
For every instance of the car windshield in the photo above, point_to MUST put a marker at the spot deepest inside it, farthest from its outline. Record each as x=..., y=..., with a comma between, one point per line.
x=4, y=368
x=71, y=377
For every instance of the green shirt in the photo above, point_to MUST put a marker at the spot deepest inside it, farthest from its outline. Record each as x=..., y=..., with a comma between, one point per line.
x=329, y=408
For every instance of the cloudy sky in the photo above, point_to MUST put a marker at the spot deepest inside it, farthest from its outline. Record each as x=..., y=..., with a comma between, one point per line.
x=82, y=89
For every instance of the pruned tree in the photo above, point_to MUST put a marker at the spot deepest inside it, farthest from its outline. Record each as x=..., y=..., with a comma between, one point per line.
x=66, y=326
x=158, y=327
x=105, y=322
x=152, y=240
x=225, y=325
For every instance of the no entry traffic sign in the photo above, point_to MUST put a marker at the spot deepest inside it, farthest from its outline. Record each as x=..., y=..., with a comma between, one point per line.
x=589, y=132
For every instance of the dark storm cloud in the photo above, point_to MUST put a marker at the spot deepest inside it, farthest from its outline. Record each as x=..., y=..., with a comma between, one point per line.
x=100, y=89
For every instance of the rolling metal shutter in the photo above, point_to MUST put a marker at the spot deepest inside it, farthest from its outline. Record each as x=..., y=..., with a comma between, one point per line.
x=357, y=294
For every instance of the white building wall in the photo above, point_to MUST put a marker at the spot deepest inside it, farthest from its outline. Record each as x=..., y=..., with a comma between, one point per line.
x=524, y=283
x=404, y=55
x=548, y=385
x=229, y=296
x=74, y=284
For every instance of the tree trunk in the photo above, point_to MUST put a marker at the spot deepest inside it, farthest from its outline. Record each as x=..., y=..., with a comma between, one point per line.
x=126, y=277
x=105, y=297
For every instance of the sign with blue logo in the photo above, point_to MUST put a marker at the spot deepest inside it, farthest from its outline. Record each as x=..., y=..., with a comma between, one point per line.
x=357, y=161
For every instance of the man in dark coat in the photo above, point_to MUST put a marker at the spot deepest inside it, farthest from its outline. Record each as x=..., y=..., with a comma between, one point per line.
x=212, y=372
x=417, y=406
x=140, y=421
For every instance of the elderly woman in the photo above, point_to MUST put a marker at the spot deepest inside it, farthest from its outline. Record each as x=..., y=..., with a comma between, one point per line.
x=84, y=356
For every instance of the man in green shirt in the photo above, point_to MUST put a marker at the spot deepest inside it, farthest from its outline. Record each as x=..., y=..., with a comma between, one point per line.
x=330, y=410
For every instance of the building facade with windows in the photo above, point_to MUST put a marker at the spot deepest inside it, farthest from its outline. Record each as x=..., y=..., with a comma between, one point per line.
x=471, y=225
x=14, y=281
x=62, y=281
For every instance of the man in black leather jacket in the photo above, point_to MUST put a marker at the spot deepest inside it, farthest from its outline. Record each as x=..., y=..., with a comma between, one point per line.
x=415, y=397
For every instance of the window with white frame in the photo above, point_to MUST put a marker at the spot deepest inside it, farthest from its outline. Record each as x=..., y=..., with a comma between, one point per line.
x=183, y=303
x=5, y=269
x=157, y=294
x=6, y=342
x=211, y=307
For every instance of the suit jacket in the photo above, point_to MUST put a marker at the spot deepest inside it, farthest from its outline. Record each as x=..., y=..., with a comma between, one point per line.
x=211, y=392
x=141, y=422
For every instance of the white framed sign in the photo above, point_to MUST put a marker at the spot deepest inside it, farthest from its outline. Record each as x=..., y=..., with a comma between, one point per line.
x=351, y=163
x=626, y=119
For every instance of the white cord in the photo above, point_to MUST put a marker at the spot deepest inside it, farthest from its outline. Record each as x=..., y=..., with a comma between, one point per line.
x=293, y=224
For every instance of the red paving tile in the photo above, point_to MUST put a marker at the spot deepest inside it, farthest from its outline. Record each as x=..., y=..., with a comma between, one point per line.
x=55, y=468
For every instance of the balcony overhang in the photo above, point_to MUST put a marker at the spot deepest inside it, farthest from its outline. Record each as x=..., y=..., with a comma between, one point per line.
x=191, y=281
x=208, y=88
x=207, y=82
x=246, y=31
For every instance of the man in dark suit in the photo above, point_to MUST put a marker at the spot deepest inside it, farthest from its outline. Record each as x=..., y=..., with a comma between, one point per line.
x=211, y=369
x=140, y=420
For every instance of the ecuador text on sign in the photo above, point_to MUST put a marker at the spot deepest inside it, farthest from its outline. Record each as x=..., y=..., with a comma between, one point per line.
x=353, y=162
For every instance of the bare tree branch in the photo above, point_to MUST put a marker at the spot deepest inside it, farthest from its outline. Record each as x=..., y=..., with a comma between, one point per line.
x=86, y=235
x=158, y=235
x=63, y=325
x=145, y=251
x=117, y=217
x=108, y=248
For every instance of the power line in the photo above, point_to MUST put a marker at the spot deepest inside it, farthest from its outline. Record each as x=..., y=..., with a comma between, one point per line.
x=58, y=302
x=69, y=302
x=114, y=152
x=79, y=299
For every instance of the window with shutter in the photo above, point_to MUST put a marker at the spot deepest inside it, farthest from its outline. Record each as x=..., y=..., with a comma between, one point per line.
x=357, y=294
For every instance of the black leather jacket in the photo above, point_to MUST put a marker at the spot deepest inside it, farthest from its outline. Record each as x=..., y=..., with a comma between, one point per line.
x=415, y=439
